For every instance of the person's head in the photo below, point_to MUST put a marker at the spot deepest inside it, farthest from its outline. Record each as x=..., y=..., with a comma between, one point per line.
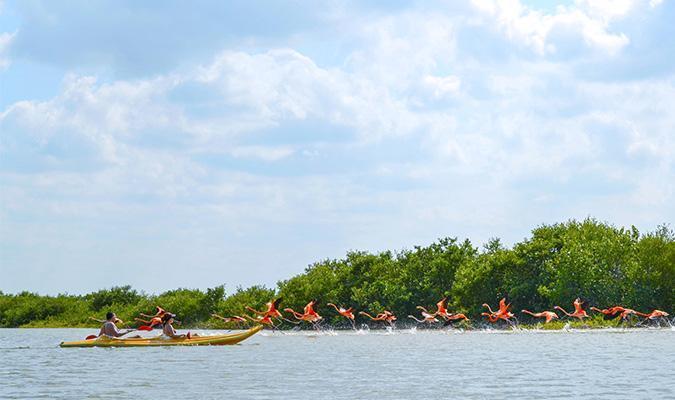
x=110, y=316
x=167, y=318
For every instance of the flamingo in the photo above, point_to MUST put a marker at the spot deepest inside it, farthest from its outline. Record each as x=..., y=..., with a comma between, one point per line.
x=378, y=317
x=308, y=315
x=626, y=313
x=503, y=313
x=441, y=309
x=426, y=318
x=309, y=309
x=491, y=317
x=579, y=312
x=386, y=316
x=549, y=315
x=159, y=313
x=389, y=318
x=235, y=318
x=264, y=320
x=345, y=312
x=503, y=309
x=115, y=320
x=454, y=318
x=154, y=321
x=611, y=312
x=655, y=315
x=272, y=309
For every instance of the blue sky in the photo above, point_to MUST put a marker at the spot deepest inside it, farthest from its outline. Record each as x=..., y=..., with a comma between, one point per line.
x=172, y=145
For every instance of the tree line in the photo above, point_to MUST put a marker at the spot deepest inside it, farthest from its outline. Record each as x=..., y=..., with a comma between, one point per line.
x=598, y=262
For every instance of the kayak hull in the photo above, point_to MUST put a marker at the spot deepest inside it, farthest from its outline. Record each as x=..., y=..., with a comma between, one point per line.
x=215, y=340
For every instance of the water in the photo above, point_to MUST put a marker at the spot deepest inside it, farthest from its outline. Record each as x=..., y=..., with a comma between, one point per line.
x=405, y=364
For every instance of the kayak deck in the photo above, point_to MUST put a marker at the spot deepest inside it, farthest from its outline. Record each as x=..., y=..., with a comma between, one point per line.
x=215, y=340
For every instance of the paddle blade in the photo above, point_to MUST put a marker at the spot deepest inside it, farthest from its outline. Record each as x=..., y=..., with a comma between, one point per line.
x=91, y=337
x=144, y=328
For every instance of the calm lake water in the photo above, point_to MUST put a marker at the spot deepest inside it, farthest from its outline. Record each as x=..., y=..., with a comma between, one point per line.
x=405, y=364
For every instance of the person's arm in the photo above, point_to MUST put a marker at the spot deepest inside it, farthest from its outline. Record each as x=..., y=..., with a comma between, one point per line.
x=118, y=333
x=175, y=334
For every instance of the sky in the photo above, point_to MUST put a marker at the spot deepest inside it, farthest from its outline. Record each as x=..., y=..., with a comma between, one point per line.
x=191, y=144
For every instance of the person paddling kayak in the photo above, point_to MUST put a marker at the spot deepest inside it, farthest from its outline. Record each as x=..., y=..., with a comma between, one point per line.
x=110, y=329
x=168, y=329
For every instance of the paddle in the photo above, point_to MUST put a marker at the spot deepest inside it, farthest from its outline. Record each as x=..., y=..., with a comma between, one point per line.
x=140, y=328
x=144, y=328
x=90, y=337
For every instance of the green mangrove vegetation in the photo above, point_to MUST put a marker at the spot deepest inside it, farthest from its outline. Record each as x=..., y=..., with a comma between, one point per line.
x=603, y=264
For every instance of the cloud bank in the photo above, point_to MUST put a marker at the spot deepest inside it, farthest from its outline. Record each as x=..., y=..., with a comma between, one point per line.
x=264, y=147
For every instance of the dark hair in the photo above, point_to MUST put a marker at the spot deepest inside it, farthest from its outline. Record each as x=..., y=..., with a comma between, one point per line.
x=109, y=315
x=166, y=317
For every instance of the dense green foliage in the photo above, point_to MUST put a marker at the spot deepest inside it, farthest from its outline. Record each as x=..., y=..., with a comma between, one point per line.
x=600, y=263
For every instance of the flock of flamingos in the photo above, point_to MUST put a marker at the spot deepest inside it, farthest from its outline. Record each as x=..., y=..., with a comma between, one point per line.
x=272, y=316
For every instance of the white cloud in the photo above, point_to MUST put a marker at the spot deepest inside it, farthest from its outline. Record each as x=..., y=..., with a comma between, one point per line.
x=6, y=39
x=275, y=84
x=270, y=88
x=441, y=86
x=546, y=33
x=102, y=116
x=607, y=10
x=263, y=152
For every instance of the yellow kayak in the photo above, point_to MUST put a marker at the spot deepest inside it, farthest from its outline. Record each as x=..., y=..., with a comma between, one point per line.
x=215, y=340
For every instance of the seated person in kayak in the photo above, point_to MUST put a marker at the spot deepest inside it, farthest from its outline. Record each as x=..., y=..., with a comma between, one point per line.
x=110, y=329
x=168, y=330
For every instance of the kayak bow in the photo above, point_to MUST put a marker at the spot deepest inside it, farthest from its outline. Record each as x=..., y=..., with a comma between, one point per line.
x=215, y=340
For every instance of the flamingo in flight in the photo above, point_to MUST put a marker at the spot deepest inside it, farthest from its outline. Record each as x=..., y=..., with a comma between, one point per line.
x=115, y=321
x=454, y=318
x=345, y=312
x=151, y=324
x=155, y=320
x=264, y=320
x=611, y=312
x=503, y=313
x=549, y=315
x=441, y=309
x=579, y=312
x=426, y=318
x=271, y=311
x=385, y=316
x=235, y=318
x=626, y=313
x=158, y=314
x=308, y=315
x=655, y=315
x=309, y=312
